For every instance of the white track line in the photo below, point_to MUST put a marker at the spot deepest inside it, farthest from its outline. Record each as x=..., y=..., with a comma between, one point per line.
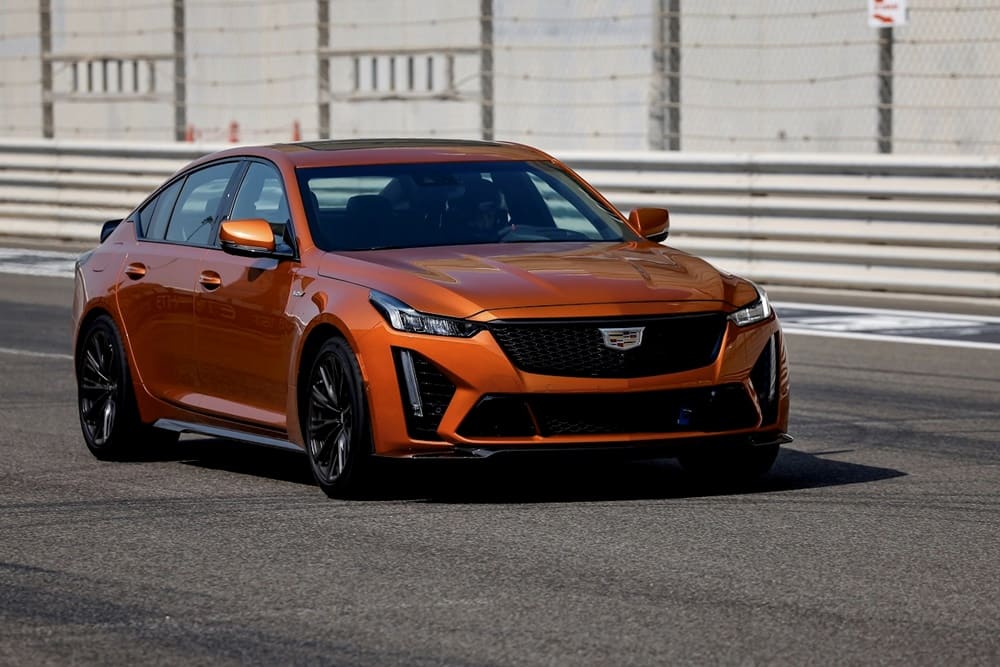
x=944, y=319
x=884, y=311
x=978, y=345
x=32, y=353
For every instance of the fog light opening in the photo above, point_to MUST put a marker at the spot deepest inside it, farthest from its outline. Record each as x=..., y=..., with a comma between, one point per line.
x=412, y=389
x=772, y=389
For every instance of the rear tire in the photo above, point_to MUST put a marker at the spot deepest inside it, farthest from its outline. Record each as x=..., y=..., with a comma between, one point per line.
x=336, y=427
x=728, y=465
x=109, y=416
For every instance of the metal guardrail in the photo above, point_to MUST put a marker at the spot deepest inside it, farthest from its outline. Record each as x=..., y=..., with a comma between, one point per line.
x=923, y=225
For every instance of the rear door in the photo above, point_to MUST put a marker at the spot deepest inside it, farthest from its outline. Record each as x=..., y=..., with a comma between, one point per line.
x=156, y=288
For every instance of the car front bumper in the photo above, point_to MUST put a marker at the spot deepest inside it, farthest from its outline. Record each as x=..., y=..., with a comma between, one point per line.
x=442, y=397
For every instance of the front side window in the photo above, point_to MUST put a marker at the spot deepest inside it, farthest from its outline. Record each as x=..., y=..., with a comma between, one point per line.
x=198, y=204
x=453, y=203
x=262, y=195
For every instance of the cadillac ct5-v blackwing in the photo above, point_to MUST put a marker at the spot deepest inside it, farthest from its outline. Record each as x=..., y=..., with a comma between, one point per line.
x=417, y=298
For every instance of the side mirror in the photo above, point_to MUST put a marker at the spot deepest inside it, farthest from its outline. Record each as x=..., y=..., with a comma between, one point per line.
x=249, y=238
x=651, y=223
x=107, y=228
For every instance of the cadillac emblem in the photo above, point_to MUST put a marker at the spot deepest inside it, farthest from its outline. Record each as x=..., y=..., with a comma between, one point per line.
x=622, y=339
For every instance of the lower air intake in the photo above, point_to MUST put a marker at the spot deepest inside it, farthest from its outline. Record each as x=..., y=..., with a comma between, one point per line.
x=709, y=410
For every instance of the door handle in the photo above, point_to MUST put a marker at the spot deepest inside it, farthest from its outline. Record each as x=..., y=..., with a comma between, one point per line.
x=135, y=270
x=210, y=280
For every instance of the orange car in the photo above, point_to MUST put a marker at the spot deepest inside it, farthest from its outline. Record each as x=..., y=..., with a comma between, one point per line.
x=417, y=298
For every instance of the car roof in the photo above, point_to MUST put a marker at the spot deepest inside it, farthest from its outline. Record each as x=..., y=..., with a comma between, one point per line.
x=384, y=151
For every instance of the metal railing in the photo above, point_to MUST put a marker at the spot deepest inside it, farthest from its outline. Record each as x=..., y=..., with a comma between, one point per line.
x=918, y=225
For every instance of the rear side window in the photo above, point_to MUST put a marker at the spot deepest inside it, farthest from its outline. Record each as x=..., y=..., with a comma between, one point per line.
x=144, y=215
x=154, y=216
x=198, y=204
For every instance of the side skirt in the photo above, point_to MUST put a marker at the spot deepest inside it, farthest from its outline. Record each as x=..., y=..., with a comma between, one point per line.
x=230, y=434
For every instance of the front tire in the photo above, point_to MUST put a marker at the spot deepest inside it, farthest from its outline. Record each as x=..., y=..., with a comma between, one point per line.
x=336, y=425
x=109, y=416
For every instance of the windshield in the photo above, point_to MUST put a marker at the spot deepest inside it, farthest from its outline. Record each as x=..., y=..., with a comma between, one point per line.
x=452, y=203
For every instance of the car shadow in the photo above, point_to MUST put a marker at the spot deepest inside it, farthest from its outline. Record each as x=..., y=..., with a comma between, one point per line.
x=511, y=481
x=531, y=479
x=241, y=458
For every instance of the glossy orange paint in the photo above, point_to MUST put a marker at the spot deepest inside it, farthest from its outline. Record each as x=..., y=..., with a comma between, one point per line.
x=649, y=221
x=253, y=233
x=219, y=339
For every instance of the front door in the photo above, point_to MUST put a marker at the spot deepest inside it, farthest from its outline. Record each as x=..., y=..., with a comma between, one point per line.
x=244, y=335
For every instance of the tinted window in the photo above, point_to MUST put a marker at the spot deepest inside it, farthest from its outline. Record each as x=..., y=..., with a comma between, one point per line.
x=405, y=205
x=144, y=215
x=198, y=204
x=261, y=195
x=156, y=214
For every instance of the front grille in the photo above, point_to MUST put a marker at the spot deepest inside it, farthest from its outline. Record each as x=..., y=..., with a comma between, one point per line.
x=708, y=410
x=575, y=348
x=436, y=392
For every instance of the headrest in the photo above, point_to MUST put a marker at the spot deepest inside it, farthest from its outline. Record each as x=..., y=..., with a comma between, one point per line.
x=369, y=206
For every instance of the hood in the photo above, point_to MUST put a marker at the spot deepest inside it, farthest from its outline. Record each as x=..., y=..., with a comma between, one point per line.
x=462, y=281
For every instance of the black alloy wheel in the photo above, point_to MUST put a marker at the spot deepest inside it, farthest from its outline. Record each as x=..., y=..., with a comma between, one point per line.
x=109, y=416
x=99, y=374
x=337, y=433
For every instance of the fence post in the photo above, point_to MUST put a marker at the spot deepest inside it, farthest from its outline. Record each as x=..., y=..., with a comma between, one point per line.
x=675, y=75
x=180, y=73
x=323, y=67
x=486, y=67
x=885, y=40
x=45, y=25
x=665, y=110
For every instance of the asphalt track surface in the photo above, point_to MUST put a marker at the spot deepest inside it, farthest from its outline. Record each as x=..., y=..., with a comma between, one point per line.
x=873, y=540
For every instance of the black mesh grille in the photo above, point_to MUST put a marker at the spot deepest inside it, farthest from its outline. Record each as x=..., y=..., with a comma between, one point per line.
x=436, y=392
x=575, y=348
x=709, y=410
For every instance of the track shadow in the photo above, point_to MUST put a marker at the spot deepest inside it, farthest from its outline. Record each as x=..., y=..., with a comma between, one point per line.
x=513, y=481
x=240, y=458
x=531, y=479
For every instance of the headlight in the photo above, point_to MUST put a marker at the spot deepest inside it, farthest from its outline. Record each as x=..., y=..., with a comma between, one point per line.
x=402, y=317
x=758, y=311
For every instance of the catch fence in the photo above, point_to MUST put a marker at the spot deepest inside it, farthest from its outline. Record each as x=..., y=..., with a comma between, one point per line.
x=737, y=76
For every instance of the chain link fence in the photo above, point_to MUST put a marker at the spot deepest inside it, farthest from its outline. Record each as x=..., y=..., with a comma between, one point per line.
x=737, y=75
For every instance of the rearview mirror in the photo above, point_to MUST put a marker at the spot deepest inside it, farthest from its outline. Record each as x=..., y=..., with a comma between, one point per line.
x=250, y=238
x=651, y=223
